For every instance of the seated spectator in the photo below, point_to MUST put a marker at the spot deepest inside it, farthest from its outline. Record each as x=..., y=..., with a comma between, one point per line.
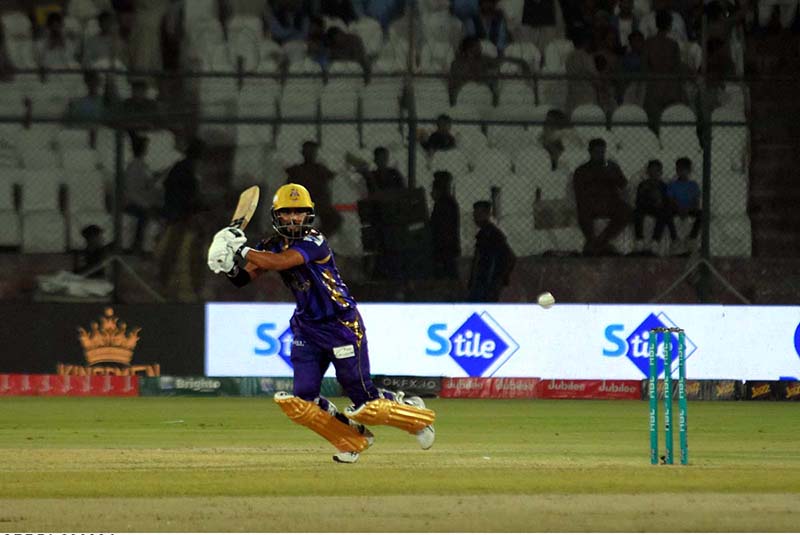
x=581, y=67
x=470, y=65
x=598, y=186
x=684, y=198
x=139, y=111
x=142, y=194
x=317, y=179
x=439, y=139
x=676, y=29
x=53, y=50
x=489, y=23
x=289, y=20
x=334, y=44
x=445, y=224
x=90, y=108
x=662, y=58
x=557, y=135
x=94, y=253
x=651, y=200
x=384, y=11
x=383, y=177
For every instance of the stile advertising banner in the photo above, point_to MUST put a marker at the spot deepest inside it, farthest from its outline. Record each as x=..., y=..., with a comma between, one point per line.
x=605, y=342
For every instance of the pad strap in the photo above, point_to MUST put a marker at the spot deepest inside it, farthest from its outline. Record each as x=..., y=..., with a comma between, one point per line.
x=344, y=437
x=388, y=412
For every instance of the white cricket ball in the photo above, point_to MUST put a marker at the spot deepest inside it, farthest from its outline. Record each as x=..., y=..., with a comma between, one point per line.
x=546, y=300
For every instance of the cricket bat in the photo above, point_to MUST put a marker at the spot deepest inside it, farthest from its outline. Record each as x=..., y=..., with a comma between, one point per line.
x=246, y=208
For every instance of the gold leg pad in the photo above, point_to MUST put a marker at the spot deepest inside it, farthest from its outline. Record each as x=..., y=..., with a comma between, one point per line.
x=386, y=412
x=342, y=436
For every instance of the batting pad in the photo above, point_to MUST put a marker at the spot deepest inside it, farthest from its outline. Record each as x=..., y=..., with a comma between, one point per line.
x=342, y=436
x=386, y=412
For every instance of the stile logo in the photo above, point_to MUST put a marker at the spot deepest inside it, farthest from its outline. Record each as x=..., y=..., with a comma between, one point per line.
x=636, y=345
x=480, y=345
x=280, y=345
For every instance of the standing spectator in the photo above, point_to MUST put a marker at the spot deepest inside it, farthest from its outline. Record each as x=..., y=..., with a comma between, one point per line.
x=598, y=186
x=102, y=45
x=493, y=261
x=580, y=66
x=625, y=21
x=317, y=179
x=662, y=58
x=53, y=50
x=651, y=200
x=489, y=23
x=632, y=64
x=606, y=60
x=141, y=190
x=445, y=227
x=383, y=177
x=177, y=267
x=6, y=65
x=439, y=139
x=684, y=198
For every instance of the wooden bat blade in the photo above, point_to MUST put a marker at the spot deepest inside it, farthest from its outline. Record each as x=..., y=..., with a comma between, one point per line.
x=248, y=202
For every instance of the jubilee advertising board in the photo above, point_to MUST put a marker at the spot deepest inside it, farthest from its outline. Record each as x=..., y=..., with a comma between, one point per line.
x=605, y=342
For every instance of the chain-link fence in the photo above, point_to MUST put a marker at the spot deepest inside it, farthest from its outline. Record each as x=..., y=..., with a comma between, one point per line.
x=79, y=151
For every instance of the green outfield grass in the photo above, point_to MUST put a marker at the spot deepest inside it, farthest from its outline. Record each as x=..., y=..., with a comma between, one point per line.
x=193, y=464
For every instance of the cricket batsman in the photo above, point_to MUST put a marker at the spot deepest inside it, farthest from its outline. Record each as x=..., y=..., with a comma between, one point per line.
x=326, y=326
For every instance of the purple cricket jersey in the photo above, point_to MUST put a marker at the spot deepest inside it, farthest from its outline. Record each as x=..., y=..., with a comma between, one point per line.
x=319, y=290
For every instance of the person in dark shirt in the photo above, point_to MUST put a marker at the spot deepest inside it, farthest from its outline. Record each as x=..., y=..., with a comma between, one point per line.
x=317, y=178
x=683, y=196
x=598, y=186
x=445, y=225
x=383, y=177
x=327, y=329
x=182, y=202
x=94, y=254
x=651, y=200
x=493, y=261
x=441, y=138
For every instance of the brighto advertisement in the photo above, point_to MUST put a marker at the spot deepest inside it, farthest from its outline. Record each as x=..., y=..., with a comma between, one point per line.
x=521, y=340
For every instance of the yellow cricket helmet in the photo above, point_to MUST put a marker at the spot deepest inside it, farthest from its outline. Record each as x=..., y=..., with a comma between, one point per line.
x=292, y=197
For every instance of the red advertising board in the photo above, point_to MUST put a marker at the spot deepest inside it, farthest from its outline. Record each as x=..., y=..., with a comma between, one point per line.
x=489, y=387
x=580, y=389
x=68, y=385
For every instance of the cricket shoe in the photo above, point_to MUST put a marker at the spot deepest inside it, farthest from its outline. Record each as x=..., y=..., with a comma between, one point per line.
x=427, y=435
x=350, y=457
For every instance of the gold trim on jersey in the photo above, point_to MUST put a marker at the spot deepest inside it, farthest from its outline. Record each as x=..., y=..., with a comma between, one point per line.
x=354, y=326
x=330, y=284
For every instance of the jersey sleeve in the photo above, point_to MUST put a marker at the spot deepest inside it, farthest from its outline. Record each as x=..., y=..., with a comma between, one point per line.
x=312, y=247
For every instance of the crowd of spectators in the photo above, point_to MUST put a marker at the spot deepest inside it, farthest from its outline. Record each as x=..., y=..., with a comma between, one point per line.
x=611, y=42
